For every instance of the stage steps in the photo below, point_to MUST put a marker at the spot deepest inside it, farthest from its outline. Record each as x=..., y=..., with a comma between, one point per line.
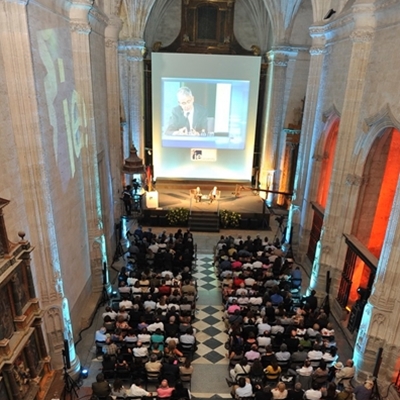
x=204, y=221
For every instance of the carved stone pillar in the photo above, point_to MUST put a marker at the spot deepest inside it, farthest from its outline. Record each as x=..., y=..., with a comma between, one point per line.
x=16, y=291
x=345, y=183
x=278, y=61
x=113, y=105
x=31, y=285
x=16, y=395
x=80, y=29
x=132, y=90
x=39, y=335
x=16, y=51
x=31, y=362
x=311, y=130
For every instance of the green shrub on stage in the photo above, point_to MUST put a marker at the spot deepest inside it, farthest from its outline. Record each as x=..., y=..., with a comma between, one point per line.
x=178, y=216
x=229, y=219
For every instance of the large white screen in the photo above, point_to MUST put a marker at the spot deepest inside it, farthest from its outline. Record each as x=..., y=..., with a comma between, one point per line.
x=225, y=92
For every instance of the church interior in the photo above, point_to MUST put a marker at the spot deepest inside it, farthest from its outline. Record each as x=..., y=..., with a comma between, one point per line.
x=299, y=141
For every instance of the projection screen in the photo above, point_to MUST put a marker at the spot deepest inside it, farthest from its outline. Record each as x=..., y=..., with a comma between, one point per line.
x=215, y=139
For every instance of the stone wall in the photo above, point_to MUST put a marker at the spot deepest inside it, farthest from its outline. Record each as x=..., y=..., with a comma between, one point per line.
x=61, y=120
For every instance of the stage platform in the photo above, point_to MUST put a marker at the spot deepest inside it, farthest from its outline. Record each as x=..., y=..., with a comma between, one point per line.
x=248, y=204
x=206, y=185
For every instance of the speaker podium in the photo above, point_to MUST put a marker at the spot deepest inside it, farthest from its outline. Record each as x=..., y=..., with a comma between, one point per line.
x=151, y=200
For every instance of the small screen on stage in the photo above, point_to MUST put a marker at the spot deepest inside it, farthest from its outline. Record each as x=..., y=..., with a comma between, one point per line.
x=204, y=112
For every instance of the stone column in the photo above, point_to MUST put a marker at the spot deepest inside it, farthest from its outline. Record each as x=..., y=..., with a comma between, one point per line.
x=132, y=91
x=277, y=63
x=311, y=129
x=30, y=361
x=80, y=29
x=380, y=326
x=16, y=51
x=8, y=372
x=16, y=291
x=37, y=323
x=31, y=285
x=113, y=105
x=345, y=184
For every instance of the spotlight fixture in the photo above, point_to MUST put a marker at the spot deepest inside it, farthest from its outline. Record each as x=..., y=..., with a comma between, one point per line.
x=149, y=150
x=84, y=373
x=329, y=13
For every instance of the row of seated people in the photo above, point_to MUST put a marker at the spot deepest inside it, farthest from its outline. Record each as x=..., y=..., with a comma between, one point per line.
x=251, y=278
x=125, y=355
x=244, y=389
x=103, y=390
x=147, y=333
x=163, y=251
x=250, y=246
x=269, y=334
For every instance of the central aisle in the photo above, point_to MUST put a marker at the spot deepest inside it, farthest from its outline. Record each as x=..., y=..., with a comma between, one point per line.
x=210, y=362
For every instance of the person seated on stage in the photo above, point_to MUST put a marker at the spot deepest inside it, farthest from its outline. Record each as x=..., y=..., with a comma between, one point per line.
x=213, y=194
x=198, y=195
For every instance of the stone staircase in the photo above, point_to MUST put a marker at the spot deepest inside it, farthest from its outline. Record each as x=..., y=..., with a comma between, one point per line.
x=202, y=221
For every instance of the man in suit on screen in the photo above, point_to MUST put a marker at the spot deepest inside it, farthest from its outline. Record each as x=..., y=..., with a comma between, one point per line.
x=188, y=118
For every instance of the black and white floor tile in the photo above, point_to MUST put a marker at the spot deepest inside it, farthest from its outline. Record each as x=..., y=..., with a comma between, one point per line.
x=210, y=361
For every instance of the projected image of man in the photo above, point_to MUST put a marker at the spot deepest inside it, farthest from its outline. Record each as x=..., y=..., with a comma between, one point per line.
x=188, y=118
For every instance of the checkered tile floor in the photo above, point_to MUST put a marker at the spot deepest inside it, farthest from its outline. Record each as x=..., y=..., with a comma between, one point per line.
x=210, y=362
x=210, y=327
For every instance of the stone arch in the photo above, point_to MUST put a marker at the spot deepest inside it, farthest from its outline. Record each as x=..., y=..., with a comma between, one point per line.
x=378, y=184
x=326, y=153
x=323, y=165
x=373, y=127
x=322, y=154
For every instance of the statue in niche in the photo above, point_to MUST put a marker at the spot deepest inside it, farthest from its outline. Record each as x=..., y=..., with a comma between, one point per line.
x=21, y=375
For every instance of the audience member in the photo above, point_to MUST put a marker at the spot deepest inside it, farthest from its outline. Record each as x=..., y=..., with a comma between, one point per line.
x=164, y=390
x=101, y=387
x=136, y=390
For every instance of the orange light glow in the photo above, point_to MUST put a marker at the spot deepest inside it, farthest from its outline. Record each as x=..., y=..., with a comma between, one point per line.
x=327, y=163
x=386, y=196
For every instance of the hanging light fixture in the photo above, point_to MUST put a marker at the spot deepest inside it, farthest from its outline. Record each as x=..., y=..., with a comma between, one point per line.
x=133, y=164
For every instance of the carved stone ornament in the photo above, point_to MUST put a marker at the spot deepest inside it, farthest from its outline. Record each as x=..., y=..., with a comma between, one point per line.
x=111, y=43
x=362, y=36
x=277, y=60
x=354, y=180
x=317, y=50
x=318, y=31
x=80, y=27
